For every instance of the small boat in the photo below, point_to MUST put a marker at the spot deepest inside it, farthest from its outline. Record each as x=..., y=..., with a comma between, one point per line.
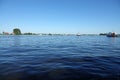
x=111, y=34
x=78, y=34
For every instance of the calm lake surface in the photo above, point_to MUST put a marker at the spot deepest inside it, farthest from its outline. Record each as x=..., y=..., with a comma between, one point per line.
x=59, y=58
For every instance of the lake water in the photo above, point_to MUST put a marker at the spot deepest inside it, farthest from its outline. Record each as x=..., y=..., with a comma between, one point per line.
x=59, y=58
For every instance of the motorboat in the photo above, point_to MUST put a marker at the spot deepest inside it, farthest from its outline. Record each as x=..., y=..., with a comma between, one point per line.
x=78, y=34
x=112, y=34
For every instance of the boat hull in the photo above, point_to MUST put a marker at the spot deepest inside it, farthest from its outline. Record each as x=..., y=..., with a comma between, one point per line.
x=112, y=36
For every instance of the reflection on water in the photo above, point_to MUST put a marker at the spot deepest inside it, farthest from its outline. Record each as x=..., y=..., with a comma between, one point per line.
x=16, y=40
x=59, y=58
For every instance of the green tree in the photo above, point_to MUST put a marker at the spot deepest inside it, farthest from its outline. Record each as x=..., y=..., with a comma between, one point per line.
x=17, y=31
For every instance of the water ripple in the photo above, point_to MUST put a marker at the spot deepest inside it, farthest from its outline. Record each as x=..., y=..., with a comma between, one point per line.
x=59, y=58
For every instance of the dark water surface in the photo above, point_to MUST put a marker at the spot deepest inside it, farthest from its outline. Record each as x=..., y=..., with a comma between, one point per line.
x=59, y=58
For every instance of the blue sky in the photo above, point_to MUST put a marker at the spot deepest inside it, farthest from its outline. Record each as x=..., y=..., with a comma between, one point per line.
x=60, y=16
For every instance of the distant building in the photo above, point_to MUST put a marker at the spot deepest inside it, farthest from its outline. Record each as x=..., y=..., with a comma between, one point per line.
x=5, y=33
